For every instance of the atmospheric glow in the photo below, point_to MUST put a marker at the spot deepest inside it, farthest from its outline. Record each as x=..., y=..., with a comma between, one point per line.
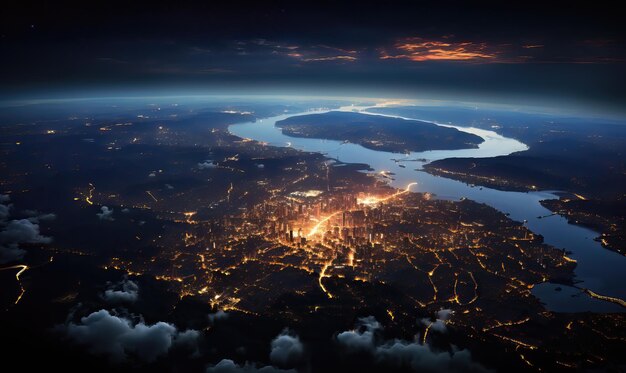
x=418, y=50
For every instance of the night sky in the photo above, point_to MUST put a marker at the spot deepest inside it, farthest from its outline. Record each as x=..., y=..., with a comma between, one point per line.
x=526, y=51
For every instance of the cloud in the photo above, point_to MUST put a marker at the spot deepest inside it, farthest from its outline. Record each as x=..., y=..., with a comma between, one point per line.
x=18, y=231
x=299, y=53
x=439, y=324
x=286, y=349
x=418, y=50
x=229, y=366
x=4, y=207
x=106, y=214
x=361, y=338
x=219, y=315
x=23, y=231
x=189, y=339
x=34, y=214
x=118, y=337
x=444, y=314
x=47, y=217
x=207, y=164
x=4, y=212
x=422, y=358
x=124, y=291
x=410, y=354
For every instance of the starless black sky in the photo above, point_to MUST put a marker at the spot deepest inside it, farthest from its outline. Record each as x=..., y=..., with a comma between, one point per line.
x=551, y=49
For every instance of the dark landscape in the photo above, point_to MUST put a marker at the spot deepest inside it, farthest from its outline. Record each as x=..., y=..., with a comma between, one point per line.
x=303, y=187
x=378, y=133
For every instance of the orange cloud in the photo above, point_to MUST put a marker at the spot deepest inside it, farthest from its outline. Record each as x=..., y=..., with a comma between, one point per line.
x=418, y=49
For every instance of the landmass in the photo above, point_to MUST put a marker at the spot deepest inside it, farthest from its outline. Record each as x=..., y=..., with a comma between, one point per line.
x=583, y=156
x=378, y=132
x=217, y=236
x=607, y=217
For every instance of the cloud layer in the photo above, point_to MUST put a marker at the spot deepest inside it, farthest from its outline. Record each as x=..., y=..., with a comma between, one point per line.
x=411, y=354
x=18, y=231
x=106, y=214
x=124, y=291
x=118, y=337
x=229, y=366
x=287, y=350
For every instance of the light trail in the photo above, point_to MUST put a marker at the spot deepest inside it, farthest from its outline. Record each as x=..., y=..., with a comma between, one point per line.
x=475, y=289
x=351, y=257
x=189, y=217
x=524, y=359
x=322, y=275
x=151, y=195
x=23, y=268
x=426, y=333
x=516, y=342
x=229, y=191
x=593, y=294
x=508, y=323
x=371, y=200
x=88, y=199
x=317, y=226
x=456, y=296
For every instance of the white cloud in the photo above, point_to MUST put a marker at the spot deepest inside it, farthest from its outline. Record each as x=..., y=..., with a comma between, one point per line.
x=411, y=354
x=4, y=211
x=229, y=366
x=124, y=291
x=106, y=214
x=35, y=215
x=117, y=337
x=287, y=349
x=23, y=231
x=444, y=314
x=219, y=315
x=361, y=338
x=439, y=324
x=18, y=231
x=46, y=217
x=189, y=338
x=422, y=358
x=206, y=164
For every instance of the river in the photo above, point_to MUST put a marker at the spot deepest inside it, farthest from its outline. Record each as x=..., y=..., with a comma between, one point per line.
x=598, y=269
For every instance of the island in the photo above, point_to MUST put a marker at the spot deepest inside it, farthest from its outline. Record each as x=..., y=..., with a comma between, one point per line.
x=378, y=132
x=583, y=157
